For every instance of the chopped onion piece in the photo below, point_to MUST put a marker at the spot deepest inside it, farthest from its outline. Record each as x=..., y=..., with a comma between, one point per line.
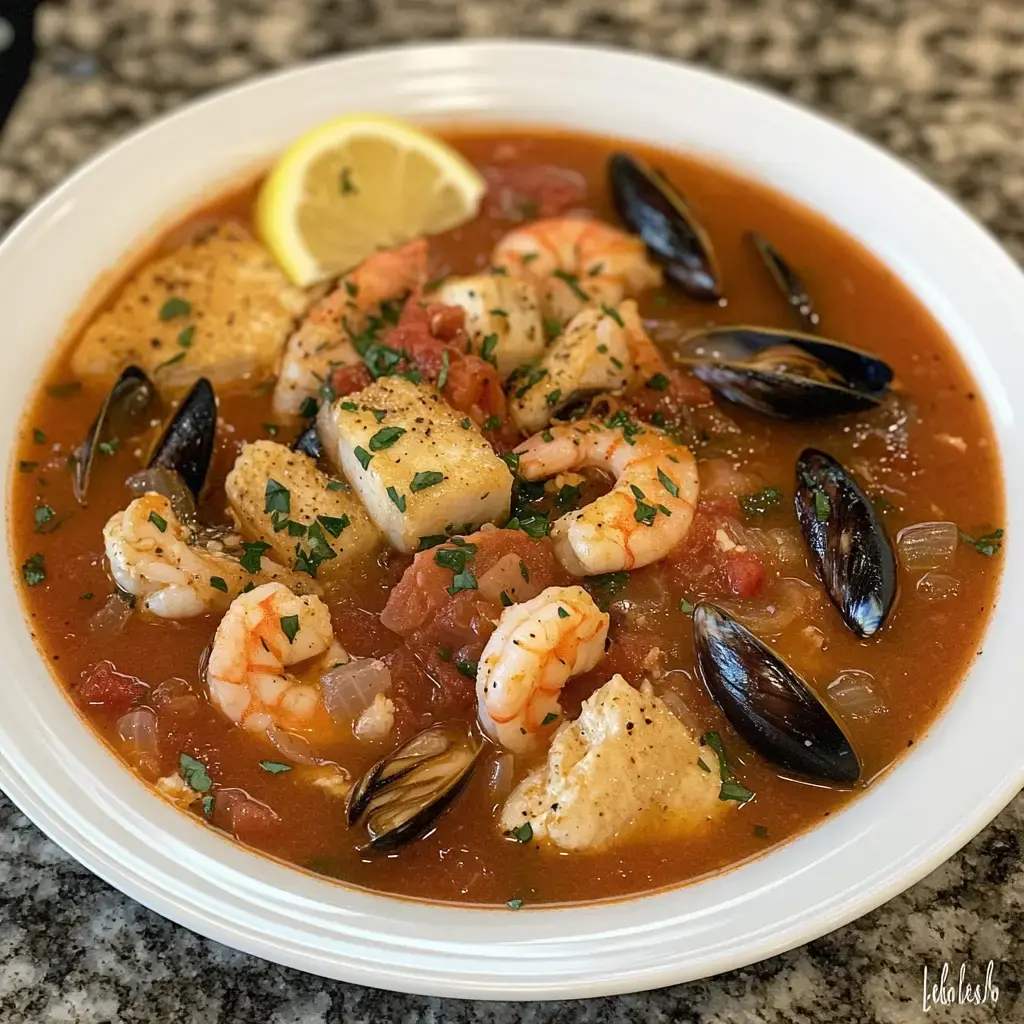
x=499, y=776
x=927, y=545
x=350, y=689
x=852, y=693
x=176, y=696
x=505, y=576
x=787, y=601
x=937, y=586
x=295, y=748
x=111, y=618
x=168, y=483
x=137, y=730
x=676, y=705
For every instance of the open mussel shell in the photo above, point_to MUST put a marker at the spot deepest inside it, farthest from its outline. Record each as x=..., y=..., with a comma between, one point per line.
x=786, y=280
x=309, y=443
x=767, y=703
x=852, y=553
x=402, y=796
x=785, y=374
x=650, y=206
x=127, y=410
x=186, y=445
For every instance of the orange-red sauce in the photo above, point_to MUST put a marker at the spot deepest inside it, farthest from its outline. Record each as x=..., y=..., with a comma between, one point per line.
x=916, y=662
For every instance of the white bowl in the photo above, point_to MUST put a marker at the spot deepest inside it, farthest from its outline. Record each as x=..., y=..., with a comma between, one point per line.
x=952, y=784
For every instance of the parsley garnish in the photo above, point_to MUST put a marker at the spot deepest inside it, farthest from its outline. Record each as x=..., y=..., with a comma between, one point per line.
x=492, y=423
x=685, y=607
x=431, y=541
x=513, y=904
x=251, y=555
x=175, y=307
x=169, y=362
x=45, y=519
x=549, y=718
x=522, y=833
x=290, y=626
x=822, y=506
x=553, y=396
x=385, y=438
x=427, y=478
x=645, y=513
x=338, y=485
x=186, y=335
x=613, y=313
x=511, y=459
x=659, y=382
x=506, y=601
x=219, y=583
x=33, y=570
x=761, y=502
x=731, y=790
x=487, y=347
x=38, y=436
x=562, y=612
x=464, y=580
x=345, y=182
x=606, y=586
x=552, y=328
x=669, y=484
x=194, y=773
x=987, y=545
x=362, y=455
x=334, y=524
x=398, y=500
x=309, y=407
x=275, y=767
x=574, y=284
x=158, y=521
x=466, y=667
x=524, y=570
x=277, y=497
x=27, y=467
x=65, y=389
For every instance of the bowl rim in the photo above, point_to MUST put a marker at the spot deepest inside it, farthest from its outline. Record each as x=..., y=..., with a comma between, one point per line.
x=580, y=951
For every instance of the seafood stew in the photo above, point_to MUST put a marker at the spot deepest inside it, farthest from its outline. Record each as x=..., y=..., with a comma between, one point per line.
x=598, y=543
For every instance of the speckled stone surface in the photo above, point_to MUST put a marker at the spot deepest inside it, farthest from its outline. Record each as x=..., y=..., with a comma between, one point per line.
x=940, y=82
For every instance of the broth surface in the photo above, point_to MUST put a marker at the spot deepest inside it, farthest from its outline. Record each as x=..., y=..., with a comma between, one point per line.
x=929, y=455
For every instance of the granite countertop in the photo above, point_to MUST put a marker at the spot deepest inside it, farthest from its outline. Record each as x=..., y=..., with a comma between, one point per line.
x=940, y=82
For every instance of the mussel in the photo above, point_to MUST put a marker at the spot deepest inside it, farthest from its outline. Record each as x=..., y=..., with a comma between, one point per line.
x=650, y=206
x=186, y=445
x=403, y=794
x=128, y=408
x=766, y=702
x=785, y=374
x=309, y=443
x=852, y=553
x=787, y=281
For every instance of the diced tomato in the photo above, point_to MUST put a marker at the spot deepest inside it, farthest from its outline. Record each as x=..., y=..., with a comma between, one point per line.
x=248, y=818
x=103, y=685
x=534, y=190
x=746, y=575
x=346, y=379
x=673, y=403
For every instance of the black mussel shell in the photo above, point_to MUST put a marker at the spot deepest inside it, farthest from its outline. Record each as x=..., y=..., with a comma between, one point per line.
x=650, y=206
x=309, y=443
x=402, y=796
x=787, y=281
x=853, y=555
x=785, y=374
x=768, y=704
x=127, y=410
x=186, y=445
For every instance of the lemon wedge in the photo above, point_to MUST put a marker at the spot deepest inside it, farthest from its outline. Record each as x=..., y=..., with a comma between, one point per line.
x=357, y=184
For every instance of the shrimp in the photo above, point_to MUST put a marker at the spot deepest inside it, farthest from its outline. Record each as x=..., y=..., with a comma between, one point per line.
x=533, y=651
x=575, y=262
x=324, y=339
x=642, y=518
x=600, y=351
x=153, y=556
x=263, y=633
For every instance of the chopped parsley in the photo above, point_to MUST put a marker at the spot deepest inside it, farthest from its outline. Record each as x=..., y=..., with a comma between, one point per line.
x=271, y=429
x=761, y=502
x=186, y=335
x=492, y=423
x=574, y=284
x=607, y=586
x=208, y=805
x=549, y=718
x=349, y=406
x=290, y=626
x=613, y=313
x=27, y=467
x=548, y=436
x=219, y=583
x=986, y=545
x=620, y=420
x=552, y=397
x=351, y=289
x=498, y=312
x=398, y=500
x=345, y=182
x=669, y=484
x=158, y=521
x=65, y=389
x=333, y=524
x=169, y=362
x=309, y=407
x=534, y=375
x=645, y=513
x=252, y=553
x=734, y=791
x=427, y=478
x=822, y=506
x=338, y=485
x=275, y=767
x=568, y=495
x=45, y=519
x=385, y=438
x=524, y=570
x=534, y=525
x=659, y=382
x=511, y=459
x=464, y=580
x=552, y=328
x=194, y=773
x=562, y=612
x=487, y=347
x=513, y=904
x=731, y=789
x=444, y=653
x=379, y=414
x=277, y=497
x=506, y=601
x=362, y=455
x=466, y=667
x=109, y=446
x=760, y=831
x=685, y=606
x=38, y=436
x=175, y=307
x=431, y=541
x=522, y=833
x=33, y=571
x=466, y=423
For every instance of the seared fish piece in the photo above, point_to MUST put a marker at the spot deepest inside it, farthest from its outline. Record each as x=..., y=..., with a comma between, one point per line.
x=503, y=318
x=218, y=307
x=626, y=765
x=419, y=467
x=310, y=522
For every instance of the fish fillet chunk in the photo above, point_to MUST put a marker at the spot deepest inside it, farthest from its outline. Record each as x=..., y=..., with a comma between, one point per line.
x=216, y=307
x=420, y=468
x=625, y=766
